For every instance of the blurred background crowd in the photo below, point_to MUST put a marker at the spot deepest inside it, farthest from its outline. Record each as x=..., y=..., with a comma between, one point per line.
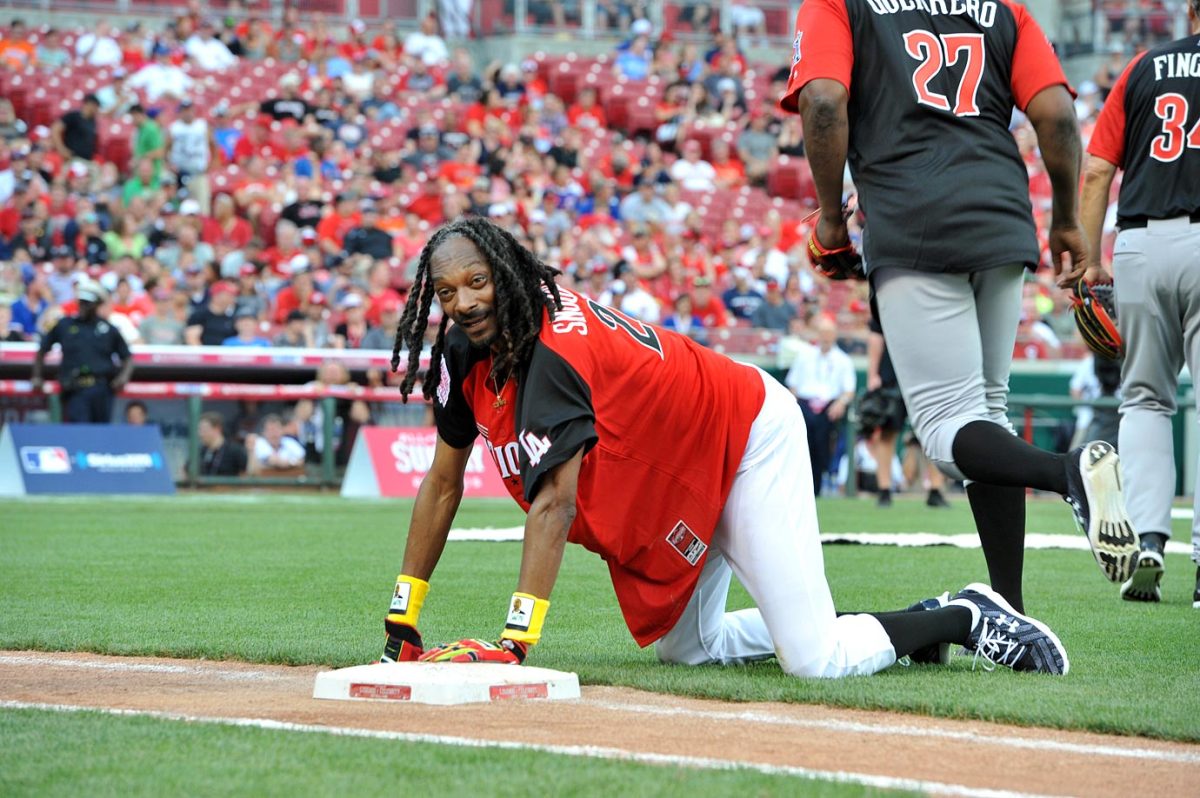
x=253, y=181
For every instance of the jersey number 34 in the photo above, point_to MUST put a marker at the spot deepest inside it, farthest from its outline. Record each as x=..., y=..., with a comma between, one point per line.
x=1167, y=146
x=938, y=52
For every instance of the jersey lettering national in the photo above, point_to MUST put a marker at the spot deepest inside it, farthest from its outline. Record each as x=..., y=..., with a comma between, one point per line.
x=1150, y=127
x=662, y=422
x=932, y=85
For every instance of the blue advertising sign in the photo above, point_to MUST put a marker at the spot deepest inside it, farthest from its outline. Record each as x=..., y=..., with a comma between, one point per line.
x=82, y=458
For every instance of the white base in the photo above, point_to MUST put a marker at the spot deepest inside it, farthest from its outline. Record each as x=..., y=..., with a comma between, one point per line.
x=444, y=683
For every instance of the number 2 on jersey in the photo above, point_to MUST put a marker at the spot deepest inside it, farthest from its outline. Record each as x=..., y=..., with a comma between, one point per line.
x=946, y=50
x=1167, y=146
x=642, y=333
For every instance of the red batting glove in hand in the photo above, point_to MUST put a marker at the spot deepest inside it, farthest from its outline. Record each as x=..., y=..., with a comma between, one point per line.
x=506, y=651
x=403, y=643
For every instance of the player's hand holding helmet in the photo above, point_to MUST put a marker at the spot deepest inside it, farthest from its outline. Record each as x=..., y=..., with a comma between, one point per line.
x=403, y=643
x=1095, y=309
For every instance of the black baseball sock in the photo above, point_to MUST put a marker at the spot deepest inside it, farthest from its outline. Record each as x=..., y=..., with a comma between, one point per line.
x=910, y=631
x=987, y=452
x=1000, y=519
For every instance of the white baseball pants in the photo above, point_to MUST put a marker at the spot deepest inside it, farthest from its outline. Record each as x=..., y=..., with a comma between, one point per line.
x=1156, y=271
x=951, y=339
x=768, y=536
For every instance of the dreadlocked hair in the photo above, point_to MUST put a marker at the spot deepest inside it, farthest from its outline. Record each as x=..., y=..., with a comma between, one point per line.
x=523, y=284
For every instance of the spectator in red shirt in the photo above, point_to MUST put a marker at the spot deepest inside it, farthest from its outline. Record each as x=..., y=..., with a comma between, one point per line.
x=225, y=228
x=298, y=293
x=707, y=305
x=730, y=172
x=331, y=231
x=585, y=113
x=380, y=291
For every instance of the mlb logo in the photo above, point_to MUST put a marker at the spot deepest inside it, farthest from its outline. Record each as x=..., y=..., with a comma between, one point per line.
x=45, y=460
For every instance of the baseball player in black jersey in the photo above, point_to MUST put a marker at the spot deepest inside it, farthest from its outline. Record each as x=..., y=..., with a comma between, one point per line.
x=1150, y=127
x=917, y=96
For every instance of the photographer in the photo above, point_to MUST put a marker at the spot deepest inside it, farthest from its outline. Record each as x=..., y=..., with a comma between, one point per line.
x=89, y=374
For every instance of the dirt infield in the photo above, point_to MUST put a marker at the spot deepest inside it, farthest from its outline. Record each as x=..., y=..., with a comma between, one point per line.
x=946, y=756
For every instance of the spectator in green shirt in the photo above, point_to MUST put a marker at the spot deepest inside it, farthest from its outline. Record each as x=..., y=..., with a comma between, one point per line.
x=148, y=141
x=142, y=183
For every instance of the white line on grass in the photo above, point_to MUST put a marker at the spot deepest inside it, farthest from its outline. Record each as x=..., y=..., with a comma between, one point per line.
x=1033, y=540
x=140, y=667
x=904, y=730
x=591, y=751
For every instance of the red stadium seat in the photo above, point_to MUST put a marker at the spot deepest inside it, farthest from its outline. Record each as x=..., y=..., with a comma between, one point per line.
x=791, y=178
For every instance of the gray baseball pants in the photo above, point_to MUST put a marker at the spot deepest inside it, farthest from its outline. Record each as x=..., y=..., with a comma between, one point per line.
x=1156, y=273
x=951, y=339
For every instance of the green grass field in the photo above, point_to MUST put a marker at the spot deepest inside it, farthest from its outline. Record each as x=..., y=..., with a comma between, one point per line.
x=306, y=580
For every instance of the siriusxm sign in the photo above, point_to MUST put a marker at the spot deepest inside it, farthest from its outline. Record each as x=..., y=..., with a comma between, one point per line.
x=82, y=458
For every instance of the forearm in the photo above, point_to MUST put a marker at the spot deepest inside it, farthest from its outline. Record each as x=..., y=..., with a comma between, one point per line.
x=1053, y=116
x=433, y=513
x=546, y=530
x=826, y=139
x=39, y=362
x=1097, y=181
x=124, y=373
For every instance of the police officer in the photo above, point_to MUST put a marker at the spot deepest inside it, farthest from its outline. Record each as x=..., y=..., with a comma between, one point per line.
x=96, y=363
x=1150, y=127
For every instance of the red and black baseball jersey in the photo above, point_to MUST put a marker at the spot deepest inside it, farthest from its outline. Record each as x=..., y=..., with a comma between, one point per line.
x=932, y=86
x=1150, y=127
x=663, y=423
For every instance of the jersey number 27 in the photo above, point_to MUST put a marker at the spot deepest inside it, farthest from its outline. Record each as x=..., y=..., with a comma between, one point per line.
x=946, y=50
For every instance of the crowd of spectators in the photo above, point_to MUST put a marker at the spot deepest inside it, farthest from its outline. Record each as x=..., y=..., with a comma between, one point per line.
x=291, y=214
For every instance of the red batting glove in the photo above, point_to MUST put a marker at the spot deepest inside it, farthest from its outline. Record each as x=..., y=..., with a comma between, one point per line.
x=506, y=651
x=403, y=643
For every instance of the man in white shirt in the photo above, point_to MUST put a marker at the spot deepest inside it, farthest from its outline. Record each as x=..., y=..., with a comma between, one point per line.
x=692, y=173
x=426, y=44
x=632, y=300
x=207, y=51
x=823, y=381
x=274, y=451
x=190, y=148
x=161, y=79
x=99, y=48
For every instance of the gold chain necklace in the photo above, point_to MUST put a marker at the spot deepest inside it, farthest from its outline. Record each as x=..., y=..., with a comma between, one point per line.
x=499, y=389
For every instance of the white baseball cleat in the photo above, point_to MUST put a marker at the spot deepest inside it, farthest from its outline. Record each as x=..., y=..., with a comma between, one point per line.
x=1094, y=493
x=1147, y=577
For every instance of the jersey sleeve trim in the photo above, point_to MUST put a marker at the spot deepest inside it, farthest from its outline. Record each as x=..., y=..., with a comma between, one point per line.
x=823, y=48
x=1035, y=67
x=555, y=417
x=1108, y=138
x=452, y=413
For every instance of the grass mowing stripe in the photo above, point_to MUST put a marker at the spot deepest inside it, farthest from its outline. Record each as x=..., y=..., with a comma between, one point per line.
x=307, y=583
x=587, y=752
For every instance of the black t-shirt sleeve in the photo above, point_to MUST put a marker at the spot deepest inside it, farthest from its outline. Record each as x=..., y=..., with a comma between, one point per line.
x=451, y=411
x=555, y=418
